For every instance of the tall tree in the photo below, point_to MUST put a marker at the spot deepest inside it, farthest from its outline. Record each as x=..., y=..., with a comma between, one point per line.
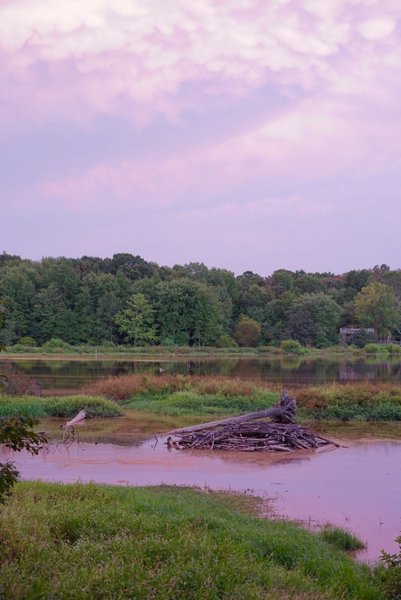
x=18, y=284
x=51, y=317
x=313, y=320
x=377, y=306
x=136, y=321
x=188, y=313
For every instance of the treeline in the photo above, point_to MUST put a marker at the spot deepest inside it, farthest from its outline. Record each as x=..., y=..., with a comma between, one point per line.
x=125, y=299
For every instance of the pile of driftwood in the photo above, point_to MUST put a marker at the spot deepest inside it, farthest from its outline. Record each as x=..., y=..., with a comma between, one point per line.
x=250, y=433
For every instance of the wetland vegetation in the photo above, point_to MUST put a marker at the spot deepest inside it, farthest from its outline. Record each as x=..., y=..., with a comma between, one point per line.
x=108, y=543
x=113, y=542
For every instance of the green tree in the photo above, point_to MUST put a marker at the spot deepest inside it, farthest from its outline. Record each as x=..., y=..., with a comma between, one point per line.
x=377, y=306
x=277, y=315
x=51, y=318
x=313, y=320
x=101, y=297
x=18, y=282
x=136, y=321
x=247, y=332
x=307, y=283
x=133, y=267
x=16, y=434
x=188, y=312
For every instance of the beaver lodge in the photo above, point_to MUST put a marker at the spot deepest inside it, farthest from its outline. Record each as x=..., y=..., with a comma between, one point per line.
x=251, y=432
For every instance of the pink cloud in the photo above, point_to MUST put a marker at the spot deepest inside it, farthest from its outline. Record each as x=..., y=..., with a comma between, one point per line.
x=126, y=56
x=314, y=139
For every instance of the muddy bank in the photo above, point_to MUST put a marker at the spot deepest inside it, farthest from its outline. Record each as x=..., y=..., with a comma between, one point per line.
x=358, y=487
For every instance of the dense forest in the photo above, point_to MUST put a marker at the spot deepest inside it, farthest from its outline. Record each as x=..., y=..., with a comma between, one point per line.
x=125, y=299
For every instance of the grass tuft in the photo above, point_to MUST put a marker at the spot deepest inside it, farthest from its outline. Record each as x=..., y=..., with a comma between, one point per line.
x=341, y=539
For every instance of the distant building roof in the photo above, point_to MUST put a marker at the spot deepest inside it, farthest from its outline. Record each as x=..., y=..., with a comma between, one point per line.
x=352, y=330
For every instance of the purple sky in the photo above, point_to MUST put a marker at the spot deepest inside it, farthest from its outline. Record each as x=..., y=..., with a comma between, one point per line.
x=246, y=134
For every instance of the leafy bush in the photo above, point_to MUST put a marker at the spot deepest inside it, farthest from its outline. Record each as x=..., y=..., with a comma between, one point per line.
x=27, y=341
x=393, y=349
x=168, y=342
x=108, y=344
x=16, y=434
x=56, y=344
x=20, y=349
x=391, y=576
x=292, y=347
x=371, y=348
x=226, y=341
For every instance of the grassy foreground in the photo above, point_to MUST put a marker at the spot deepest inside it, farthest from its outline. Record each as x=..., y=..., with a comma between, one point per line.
x=90, y=541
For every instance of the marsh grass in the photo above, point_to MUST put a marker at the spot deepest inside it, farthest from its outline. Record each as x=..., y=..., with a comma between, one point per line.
x=184, y=395
x=89, y=541
x=341, y=539
x=63, y=406
x=355, y=402
x=187, y=403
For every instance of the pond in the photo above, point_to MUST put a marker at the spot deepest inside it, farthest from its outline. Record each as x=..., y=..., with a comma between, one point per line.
x=67, y=375
x=357, y=487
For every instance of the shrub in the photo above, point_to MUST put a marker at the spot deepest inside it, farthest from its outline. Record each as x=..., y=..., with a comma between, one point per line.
x=167, y=341
x=371, y=348
x=292, y=347
x=27, y=341
x=391, y=575
x=393, y=349
x=108, y=344
x=56, y=343
x=226, y=341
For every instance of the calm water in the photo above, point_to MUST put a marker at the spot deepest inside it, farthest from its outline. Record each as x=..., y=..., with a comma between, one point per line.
x=357, y=487
x=72, y=374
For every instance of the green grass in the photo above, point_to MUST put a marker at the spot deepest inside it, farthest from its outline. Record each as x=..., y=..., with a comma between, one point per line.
x=110, y=349
x=180, y=395
x=97, y=542
x=62, y=406
x=187, y=403
x=204, y=397
x=341, y=539
x=352, y=402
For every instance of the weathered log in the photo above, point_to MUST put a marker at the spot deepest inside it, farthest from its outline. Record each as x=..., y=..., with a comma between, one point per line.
x=77, y=419
x=283, y=412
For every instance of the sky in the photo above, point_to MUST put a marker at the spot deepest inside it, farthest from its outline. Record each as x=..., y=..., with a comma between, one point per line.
x=245, y=134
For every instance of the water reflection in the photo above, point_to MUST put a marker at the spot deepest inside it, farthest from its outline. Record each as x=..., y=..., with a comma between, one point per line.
x=73, y=374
